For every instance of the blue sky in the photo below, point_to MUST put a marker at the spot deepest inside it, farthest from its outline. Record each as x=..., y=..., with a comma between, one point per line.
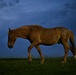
x=47, y=13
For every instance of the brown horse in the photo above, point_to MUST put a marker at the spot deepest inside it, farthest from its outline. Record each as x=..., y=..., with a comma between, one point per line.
x=38, y=35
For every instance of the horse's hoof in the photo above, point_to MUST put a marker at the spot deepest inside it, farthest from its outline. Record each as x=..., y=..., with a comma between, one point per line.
x=63, y=62
x=29, y=60
x=75, y=57
x=42, y=61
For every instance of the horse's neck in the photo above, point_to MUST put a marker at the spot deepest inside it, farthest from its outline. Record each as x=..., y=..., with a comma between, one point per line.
x=22, y=33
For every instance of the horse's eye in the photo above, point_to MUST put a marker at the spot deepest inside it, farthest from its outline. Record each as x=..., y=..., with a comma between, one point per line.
x=10, y=36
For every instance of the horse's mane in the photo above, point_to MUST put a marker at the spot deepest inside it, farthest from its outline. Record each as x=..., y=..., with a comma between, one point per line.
x=32, y=27
x=28, y=29
x=22, y=28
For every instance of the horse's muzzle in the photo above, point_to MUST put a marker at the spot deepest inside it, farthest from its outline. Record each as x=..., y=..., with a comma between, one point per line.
x=10, y=46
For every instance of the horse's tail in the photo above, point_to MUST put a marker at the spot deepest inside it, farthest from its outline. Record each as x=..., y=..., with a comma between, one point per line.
x=73, y=49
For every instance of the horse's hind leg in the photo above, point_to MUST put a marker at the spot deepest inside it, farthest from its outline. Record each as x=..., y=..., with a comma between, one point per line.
x=66, y=47
x=39, y=50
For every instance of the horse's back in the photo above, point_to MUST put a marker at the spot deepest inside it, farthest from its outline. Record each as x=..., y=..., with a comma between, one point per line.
x=53, y=35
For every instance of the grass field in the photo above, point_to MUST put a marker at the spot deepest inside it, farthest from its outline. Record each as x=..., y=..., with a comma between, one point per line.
x=52, y=66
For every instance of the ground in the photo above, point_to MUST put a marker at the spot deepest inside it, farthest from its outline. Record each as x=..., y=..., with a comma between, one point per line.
x=52, y=66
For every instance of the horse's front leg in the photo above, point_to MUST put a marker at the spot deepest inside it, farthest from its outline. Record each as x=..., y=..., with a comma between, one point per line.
x=39, y=50
x=29, y=50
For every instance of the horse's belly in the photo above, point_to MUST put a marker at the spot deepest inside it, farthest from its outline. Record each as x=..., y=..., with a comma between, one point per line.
x=50, y=39
x=49, y=42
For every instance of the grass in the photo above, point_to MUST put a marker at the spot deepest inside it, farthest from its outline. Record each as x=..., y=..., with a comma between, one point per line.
x=52, y=66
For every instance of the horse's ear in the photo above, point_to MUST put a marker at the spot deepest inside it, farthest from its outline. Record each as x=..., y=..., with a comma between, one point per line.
x=9, y=29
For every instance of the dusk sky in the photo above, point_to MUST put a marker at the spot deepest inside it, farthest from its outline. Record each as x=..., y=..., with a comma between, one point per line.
x=47, y=13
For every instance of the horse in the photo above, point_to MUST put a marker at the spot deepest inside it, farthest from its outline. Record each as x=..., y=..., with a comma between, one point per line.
x=38, y=35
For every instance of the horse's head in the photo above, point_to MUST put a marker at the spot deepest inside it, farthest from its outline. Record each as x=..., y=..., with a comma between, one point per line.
x=11, y=38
